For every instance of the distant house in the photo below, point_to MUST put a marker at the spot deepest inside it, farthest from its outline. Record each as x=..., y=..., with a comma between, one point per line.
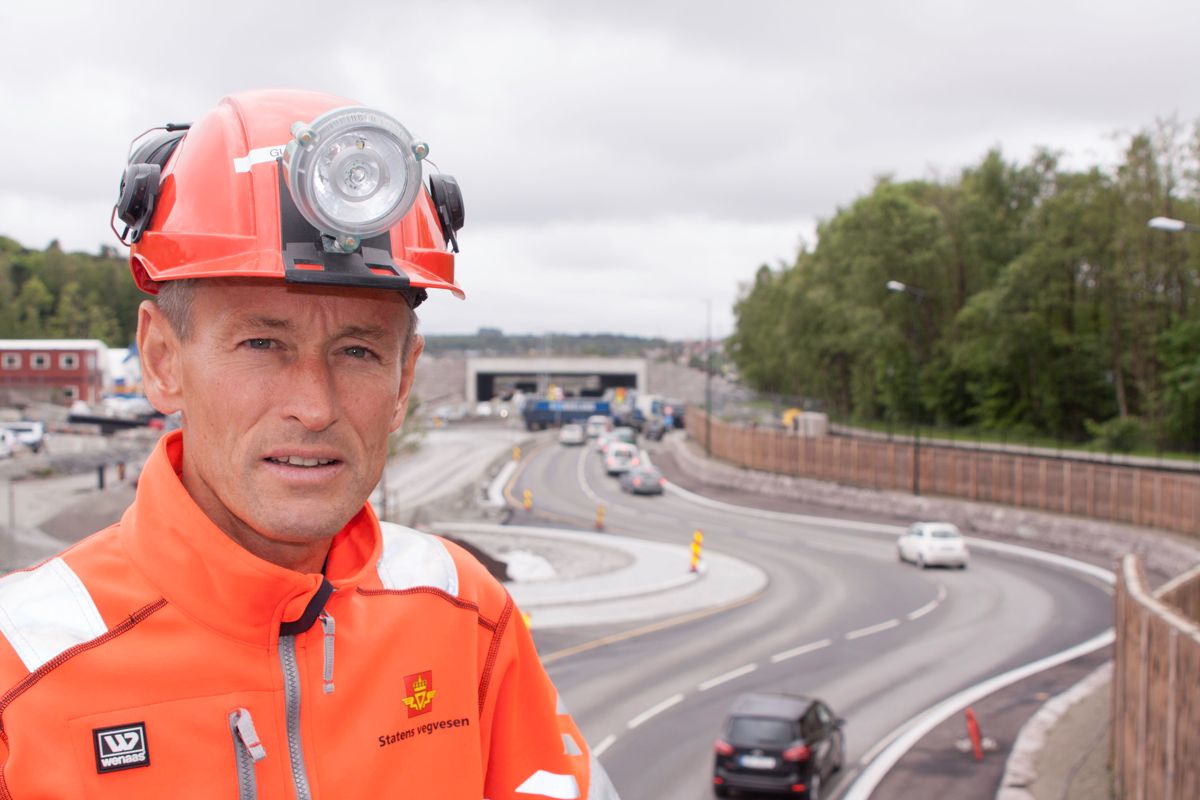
x=51, y=370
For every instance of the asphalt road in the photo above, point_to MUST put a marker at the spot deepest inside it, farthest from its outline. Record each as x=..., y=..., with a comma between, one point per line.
x=841, y=619
x=447, y=460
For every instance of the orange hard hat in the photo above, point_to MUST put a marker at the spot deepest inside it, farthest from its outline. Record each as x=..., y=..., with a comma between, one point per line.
x=301, y=186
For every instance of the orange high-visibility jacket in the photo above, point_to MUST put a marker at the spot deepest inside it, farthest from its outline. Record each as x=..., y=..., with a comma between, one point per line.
x=159, y=659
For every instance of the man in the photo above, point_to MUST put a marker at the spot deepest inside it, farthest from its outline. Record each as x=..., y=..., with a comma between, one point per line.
x=249, y=628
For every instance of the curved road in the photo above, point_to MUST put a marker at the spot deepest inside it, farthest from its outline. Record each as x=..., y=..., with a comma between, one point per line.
x=841, y=619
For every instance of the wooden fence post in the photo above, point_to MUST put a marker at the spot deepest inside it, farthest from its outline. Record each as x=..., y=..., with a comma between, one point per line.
x=1119, y=682
x=1091, y=489
x=1017, y=480
x=1041, y=484
x=1172, y=655
x=1068, y=490
x=1143, y=702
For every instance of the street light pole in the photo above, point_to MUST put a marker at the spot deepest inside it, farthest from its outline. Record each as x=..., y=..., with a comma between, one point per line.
x=918, y=295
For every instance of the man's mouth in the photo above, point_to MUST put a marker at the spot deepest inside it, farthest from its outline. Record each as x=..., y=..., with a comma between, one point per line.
x=299, y=461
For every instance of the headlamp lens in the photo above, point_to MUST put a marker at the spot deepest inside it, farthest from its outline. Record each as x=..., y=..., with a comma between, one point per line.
x=353, y=171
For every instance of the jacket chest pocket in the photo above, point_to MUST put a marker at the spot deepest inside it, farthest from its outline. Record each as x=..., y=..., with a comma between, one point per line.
x=184, y=749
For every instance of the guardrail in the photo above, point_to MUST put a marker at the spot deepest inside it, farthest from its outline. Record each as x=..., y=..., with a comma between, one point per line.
x=1156, y=686
x=1139, y=496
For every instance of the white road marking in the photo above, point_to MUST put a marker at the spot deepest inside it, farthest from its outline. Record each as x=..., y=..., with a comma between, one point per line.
x=801, y=650
x=941, y=592
x=869, y=756
x=605, y=743
x=728, y=676
x=1063, y=562
x=783, y=516
x=903, y=738
x=583, y=484
x=922, y=611
x=649, y=713
x=883, y=626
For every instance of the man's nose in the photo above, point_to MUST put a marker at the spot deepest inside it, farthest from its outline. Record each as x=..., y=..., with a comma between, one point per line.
x=309, y=393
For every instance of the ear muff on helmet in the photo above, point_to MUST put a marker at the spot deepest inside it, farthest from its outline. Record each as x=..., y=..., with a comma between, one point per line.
x=142, y=179
x=448, y=200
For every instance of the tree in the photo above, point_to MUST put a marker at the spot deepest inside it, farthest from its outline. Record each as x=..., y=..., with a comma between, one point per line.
x=69, y=320
x=33, y=303
x=1049, y=306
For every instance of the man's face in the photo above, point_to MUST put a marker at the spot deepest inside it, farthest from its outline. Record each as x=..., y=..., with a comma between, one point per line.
x=288, y=395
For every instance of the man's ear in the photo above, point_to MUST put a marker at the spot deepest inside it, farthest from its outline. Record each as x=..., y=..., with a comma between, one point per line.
x=159, y=349
x=416, y=346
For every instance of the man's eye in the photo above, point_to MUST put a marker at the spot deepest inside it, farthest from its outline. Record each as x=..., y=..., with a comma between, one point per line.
x=358, y=352
x=258, y=344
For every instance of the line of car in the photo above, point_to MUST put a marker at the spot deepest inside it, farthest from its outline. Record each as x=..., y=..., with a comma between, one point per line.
x=777, y=743
x=770, y=743
x=618, y=448
x=792, y=745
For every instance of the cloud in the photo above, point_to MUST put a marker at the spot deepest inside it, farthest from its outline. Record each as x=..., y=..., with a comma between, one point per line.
x=609, y=277
x=578, y=129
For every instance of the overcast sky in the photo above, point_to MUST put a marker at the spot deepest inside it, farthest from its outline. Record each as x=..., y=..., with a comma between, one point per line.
x=623, y=163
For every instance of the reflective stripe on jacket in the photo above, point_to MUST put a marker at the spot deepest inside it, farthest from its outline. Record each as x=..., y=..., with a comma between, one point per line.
x=158, y=658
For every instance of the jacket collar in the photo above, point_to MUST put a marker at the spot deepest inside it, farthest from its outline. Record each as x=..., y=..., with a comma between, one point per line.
x=209, y=576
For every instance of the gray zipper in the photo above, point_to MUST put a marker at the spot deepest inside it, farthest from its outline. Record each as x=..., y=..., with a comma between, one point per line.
x=247, y=751
x=291, y=694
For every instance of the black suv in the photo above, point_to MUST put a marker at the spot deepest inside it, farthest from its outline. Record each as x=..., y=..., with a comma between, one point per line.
x=778, y=743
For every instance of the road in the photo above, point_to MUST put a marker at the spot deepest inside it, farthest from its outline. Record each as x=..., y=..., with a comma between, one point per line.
x=447, y=461
x=841, y=619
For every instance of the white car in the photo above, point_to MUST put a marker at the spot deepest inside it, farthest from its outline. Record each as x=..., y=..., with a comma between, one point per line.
x=30, y=435
x=597, y=424
x=929, y=544
x=619, y=457
x=571, y=434
x=8, y=443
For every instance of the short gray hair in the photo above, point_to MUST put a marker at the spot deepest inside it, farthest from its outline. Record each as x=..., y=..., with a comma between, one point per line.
x=174, y=300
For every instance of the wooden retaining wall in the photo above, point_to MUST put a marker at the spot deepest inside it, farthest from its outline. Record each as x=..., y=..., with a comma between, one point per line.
x=1156, y=687
x=1117, y=493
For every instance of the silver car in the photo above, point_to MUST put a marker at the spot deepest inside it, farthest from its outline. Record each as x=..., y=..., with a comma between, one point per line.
x=571, y=434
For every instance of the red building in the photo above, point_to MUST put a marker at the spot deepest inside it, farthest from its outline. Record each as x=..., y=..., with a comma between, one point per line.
x=51, y=370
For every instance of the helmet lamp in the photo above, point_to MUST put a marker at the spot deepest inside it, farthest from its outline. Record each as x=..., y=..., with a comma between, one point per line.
x=353, y=172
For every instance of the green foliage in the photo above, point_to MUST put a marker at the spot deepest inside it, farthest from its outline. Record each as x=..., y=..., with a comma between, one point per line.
x=1045, y=301
x=57, y=295
x=1119, y=434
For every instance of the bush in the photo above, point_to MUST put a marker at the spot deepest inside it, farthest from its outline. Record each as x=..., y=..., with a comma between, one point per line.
x=1118, y=435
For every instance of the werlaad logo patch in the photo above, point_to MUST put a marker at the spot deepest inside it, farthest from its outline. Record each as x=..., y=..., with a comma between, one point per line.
x=121, y=747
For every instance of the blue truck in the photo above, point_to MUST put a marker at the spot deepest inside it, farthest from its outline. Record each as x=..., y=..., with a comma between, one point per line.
x=541, y=414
